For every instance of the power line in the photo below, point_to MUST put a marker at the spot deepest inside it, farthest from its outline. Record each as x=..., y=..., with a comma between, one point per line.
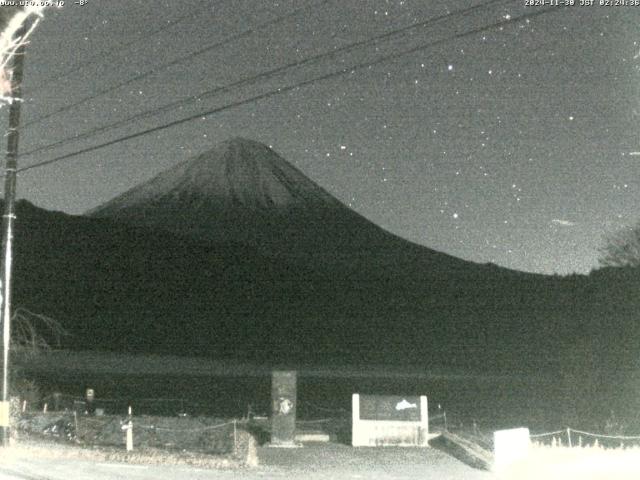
x=174, y=62
x=290, y=88
x=102, y=56
x=264, y=75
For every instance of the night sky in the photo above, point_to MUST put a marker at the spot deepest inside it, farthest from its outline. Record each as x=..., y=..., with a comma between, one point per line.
x=513, y=145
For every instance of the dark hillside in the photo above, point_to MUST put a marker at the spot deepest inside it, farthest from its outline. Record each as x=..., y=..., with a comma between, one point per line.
x=126, y=288
x=237, y=254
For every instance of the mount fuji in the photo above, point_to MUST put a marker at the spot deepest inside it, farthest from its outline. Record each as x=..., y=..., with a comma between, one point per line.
x=243, y=192
x=235, y=253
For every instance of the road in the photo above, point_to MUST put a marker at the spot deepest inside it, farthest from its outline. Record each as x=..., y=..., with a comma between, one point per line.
x=321, y=462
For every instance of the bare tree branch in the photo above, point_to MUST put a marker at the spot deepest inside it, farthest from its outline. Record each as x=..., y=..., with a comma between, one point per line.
x=35, y=332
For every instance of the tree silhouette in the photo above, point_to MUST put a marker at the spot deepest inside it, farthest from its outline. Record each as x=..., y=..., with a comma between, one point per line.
x=622, y=248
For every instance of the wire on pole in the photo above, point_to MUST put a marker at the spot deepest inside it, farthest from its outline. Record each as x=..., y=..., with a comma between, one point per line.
x=253, y=79
x=289, y=88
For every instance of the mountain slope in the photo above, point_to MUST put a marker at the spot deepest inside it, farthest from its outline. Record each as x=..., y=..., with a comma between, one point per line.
x=127, y=289
x=354, y=290
x=242, y=192
x=123, y=288
x=237, y=174
x=238, y=191
x=237, y=254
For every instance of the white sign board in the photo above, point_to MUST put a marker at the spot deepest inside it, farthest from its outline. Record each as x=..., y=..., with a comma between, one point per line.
x=389, y=420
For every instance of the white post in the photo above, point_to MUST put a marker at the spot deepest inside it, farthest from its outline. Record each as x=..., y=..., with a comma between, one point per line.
x=130, y=433
x=235, y=437
x=355, y=420
x=424, y=421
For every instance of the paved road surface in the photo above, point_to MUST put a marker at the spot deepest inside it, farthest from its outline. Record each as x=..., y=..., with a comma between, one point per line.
x=322, y=462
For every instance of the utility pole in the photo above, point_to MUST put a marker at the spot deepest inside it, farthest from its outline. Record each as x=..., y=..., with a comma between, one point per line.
x=11, y=171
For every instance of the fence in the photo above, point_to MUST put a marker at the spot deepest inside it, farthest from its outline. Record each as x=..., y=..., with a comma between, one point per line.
x=574, y=437
x=201, y=434
x=142, y=405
